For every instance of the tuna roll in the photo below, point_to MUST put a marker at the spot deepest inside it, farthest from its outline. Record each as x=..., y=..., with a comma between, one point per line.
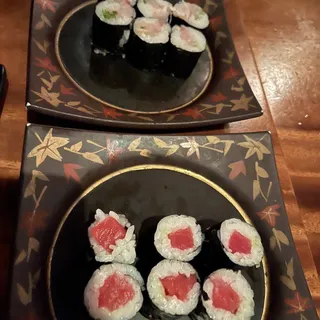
x=111, y=25
x=227, y=295
x=112, y=238
x=114, y=292
x=241, y=242
x=178, y=237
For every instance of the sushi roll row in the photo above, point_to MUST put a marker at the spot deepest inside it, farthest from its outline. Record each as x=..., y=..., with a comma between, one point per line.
x=148, y=42
x=116, y=291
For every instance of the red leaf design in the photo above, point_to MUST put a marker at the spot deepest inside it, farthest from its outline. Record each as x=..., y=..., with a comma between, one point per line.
x=231, y=73
x=112, y=113
x=195, y=113
x=218, y=97
x=47, y=4
x=297, y=304
x=269, y=214
x=70, y=171
x=66, y=91
x=33, y=222
x=237, y=168
x=45, y=64
x=215, y=22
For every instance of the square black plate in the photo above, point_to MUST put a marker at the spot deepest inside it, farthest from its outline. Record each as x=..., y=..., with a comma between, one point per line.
x=51, y=92
x=58, y=164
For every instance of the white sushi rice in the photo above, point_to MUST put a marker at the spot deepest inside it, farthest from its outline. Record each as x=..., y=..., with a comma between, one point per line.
x=193, y=41
x=158, y=9
x=192, y=14
x=152, y=30
x=170, y=224
x=115, y=13
x=92, y=292
x=171, y=304
x=247, y=230
x=124, y=249
x=240, y=285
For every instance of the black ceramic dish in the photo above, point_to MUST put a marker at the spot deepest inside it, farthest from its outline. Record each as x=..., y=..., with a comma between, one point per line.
x=173, y=191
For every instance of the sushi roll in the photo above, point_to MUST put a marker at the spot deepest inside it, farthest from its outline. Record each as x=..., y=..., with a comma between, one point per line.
x=227, y=295
x=112, y=238
x=241, y=242
x=187, y=45
x=178, y=237
x=114, y=292
x=148, y=43
x=132, y=3
x=111, y=25
x=191, y=14
x=157, y=9
x=173, y=287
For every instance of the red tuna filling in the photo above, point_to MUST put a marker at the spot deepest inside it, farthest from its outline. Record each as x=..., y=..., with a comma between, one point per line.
x=224, y=297
x=179, y=285
x=115, y=292
x=107, y=232
x=181, y=239
x=239, y=243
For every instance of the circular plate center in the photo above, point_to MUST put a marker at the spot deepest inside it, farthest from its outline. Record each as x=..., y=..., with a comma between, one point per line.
x=113, y=81
x=129, y=191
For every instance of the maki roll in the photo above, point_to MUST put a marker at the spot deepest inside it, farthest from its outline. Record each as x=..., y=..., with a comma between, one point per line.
x=178, y=237
x=173, y=287
x=157, y=9
x=111, y=25
x=114, y=292
x=112, y=238
x=241, y=242
x=191, y=14
x=132, y=3
x=227, y=295
x=187, y=45
x=148, y=43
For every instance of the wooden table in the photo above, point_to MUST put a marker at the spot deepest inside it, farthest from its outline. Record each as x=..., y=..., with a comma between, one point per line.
x=285, y=41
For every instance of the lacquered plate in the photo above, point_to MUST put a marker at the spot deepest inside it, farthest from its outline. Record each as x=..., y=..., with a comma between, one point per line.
x=113, y=81
x=173, y=191
x=63, y=82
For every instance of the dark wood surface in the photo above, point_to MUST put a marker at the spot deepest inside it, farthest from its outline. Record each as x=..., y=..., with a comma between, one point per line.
x=285, y=40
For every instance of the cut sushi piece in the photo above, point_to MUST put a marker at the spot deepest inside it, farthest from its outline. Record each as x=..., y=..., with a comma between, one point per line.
x=173, y=287
x=148, y=43
x=112, y=238
x=241, y=242
x=111, y=26
x=191, y=14
x=178, y=237
x=114, y=292
x=187, y=45
x=157, y=9
x=227, y=296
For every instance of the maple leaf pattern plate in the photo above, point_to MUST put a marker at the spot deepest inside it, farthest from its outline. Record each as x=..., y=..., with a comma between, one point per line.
x=59, y=85
x=59, y=164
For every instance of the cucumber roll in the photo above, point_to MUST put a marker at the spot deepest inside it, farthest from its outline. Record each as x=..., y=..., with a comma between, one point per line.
x=148, y=43
x=111, y=25
x=190, y=13
x=187, y=45
x=157, y=9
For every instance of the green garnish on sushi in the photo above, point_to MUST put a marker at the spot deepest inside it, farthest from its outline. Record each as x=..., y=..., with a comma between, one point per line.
x=109, y=14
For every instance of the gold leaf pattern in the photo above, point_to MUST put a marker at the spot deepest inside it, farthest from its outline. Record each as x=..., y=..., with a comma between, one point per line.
x=76, y=147
x=289, y=282
x=50, y=97
x=260, y=171
x=21, y=256
x=145, y=153
x=134, y=144
x=39, y=175
x=48, y=147
x=33, y=245
x=160, y=143
x=24, y=297
x=173, y=149
x=35, y=278
x=256, y=189
x=254, y=147
x=92, y=157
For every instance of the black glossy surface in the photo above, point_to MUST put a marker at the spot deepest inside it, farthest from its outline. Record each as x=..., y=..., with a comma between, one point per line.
x=145, y=204
x=115, y=81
